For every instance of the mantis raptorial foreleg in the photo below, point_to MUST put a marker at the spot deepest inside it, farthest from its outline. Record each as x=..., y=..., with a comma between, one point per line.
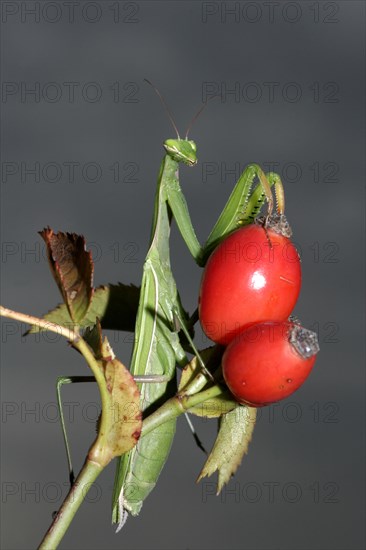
x=237, y=211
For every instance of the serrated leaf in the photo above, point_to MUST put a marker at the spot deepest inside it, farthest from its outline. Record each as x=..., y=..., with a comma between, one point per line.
x=215, y=407
x=235, y=434
x=72, y=268
x=212, y=408
x=114, y=305
x=93, y=336
x=123, y=429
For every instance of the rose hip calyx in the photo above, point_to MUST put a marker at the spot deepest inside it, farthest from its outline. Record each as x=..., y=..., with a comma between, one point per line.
x=304, y=341
x=275, y=222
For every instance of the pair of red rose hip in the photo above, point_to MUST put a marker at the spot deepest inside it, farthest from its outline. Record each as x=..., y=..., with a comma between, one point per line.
x=249, y=288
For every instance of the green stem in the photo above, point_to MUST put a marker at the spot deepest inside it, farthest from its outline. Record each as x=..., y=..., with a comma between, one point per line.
x=178, y=405
x=68, y=333
x=213, y=362
x=88, y=355
x=78, y=491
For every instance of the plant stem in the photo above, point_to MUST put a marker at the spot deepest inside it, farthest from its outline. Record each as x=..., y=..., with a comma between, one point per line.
x=78, y=491
x=41, y=323
x=176, y=406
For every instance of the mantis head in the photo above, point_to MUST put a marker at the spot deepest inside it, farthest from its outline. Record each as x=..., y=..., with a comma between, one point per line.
x=182, y=150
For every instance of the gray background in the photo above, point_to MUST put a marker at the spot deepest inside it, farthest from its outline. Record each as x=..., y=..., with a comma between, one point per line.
x=301, y=486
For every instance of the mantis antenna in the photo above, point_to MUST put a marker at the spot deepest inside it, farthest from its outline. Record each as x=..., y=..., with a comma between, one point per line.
x=165, y=105
x=198, y=114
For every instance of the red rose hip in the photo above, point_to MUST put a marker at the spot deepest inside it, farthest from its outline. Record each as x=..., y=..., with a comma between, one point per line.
x=268, y=362
x=253, y=276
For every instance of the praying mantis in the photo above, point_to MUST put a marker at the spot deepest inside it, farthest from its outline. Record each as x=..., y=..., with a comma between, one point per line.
x=157, y=347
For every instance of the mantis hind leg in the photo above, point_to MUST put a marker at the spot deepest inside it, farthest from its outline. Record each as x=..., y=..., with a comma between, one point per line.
x=61, y=382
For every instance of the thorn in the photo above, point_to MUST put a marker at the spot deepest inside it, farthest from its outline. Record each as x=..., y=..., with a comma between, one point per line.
x=176, y=324
x=72, y=478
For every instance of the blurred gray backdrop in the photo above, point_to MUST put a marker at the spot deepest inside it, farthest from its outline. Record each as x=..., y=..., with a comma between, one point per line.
x=81, y=147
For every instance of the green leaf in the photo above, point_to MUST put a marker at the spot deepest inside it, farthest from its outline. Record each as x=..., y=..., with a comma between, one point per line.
x=235, y=434
x=72, y=268
x=114, y=305
x=94, y=337
x=215, y=407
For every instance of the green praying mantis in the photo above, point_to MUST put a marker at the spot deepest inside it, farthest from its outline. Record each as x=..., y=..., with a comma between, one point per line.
x=157, y=347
